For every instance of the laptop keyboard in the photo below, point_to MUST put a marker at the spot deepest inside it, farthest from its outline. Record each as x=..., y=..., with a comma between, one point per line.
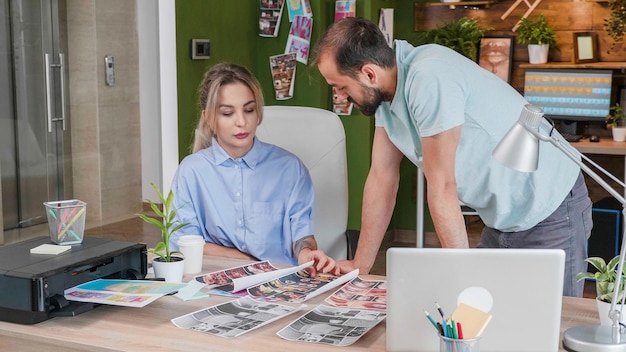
x=572, y=137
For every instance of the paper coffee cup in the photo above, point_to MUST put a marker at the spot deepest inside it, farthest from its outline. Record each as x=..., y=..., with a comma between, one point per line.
x=192, y=247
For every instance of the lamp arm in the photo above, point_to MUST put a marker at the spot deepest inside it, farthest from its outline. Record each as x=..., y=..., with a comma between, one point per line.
x=575, y=155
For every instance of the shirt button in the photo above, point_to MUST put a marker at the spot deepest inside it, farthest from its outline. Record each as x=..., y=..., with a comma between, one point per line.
x=239, y=222
x=238, y=194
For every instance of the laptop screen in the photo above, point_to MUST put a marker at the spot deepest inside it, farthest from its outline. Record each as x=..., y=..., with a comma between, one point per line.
x=521, y=288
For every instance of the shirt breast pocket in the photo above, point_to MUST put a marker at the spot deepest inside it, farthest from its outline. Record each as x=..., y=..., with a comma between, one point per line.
x=266, y=221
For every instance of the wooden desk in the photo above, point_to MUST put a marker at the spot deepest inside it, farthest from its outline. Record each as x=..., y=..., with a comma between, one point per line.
x=604, y=146
x=112, y=328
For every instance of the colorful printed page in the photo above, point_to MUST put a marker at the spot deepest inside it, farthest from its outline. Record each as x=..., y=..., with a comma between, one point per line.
x=298, y=8
x=332, y=326
x=300, y=38
x=298, y=286
x=233, y=318
x=241, y=277
x=362, y=294
x=269, y=17
x=128, y=293
x=345, y=9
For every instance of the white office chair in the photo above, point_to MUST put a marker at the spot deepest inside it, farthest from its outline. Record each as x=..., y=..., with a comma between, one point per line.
x=317, y=137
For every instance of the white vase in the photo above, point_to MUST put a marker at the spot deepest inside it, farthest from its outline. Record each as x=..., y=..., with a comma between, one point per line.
x=603, y=312
x=170, y=271
x=538, y=53
x=619, y=134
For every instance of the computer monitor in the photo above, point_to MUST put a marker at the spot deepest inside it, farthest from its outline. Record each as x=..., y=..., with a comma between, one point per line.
x=570, y=94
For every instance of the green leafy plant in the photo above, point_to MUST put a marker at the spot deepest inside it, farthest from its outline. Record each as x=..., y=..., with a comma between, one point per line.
x=167, y=224
x=605, y=278
x=461, y=36
x=615, y=25
x=616, y=118
x=536, y=31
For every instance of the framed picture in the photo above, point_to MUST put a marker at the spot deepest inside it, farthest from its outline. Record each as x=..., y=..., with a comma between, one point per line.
x=496, y=55
x=585, y=47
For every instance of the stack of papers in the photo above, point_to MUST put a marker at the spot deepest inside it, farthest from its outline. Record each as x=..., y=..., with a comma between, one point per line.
x=53, y=249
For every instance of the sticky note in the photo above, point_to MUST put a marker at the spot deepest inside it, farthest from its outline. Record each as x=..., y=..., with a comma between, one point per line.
x=50, y=249
x=473, y=320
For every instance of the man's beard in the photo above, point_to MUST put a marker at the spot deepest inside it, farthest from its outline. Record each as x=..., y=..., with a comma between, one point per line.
x=373, y=98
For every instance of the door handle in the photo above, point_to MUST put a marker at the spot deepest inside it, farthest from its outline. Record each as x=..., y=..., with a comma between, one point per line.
x=61, y=67
x=48, y=98
x=62, y=73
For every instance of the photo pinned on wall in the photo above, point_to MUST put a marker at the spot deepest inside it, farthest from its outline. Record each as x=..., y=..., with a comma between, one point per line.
x=385, y=23
x=269, y=18
x=341, y=106
x=495, y=55
x=345, y=9
x=300, y=38
x=283, y=68
x=298, y=8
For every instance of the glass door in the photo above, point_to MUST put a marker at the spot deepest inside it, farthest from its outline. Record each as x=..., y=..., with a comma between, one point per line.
x=33, y=110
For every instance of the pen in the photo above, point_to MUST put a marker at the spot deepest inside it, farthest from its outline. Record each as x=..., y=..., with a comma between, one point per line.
x=440, y=311
x=440, y=327
x=455, y=333
x=459, y=330
x=432, y=321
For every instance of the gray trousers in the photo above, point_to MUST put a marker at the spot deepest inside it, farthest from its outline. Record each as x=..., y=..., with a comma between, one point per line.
x=568, y=228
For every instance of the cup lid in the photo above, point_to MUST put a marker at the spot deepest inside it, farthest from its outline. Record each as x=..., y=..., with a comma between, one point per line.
x=187, y=240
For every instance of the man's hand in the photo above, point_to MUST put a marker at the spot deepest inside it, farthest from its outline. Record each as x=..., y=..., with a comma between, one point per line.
x=346, y=266
x=321, y=262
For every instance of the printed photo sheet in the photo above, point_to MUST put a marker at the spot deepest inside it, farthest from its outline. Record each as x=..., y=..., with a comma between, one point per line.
x=128, y=293
x=332, y=325
x=233, y=318
x=361, y=294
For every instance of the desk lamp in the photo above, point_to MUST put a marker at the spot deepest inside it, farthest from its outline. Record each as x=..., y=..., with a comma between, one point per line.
x=519, y=150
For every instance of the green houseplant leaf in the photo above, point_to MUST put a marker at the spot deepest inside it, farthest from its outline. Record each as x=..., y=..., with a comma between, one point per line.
x=461, y=36
x=616, y=118
x=167, y=224
x=604, y=277
x=536, y=31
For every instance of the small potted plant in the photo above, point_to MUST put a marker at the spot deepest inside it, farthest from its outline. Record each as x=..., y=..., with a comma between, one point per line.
x=617, y=121
x=461, y=36
x=605, y=285
x=539, y=36
x=167, y=264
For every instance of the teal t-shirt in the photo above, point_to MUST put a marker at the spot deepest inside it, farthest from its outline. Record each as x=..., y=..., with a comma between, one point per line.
x=438, y=89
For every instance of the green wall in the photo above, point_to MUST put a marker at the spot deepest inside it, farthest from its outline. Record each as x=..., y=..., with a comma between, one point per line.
x=232, y=27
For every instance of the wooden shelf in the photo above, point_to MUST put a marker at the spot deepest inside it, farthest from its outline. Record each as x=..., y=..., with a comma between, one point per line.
x=452, y=5
x=611, y=65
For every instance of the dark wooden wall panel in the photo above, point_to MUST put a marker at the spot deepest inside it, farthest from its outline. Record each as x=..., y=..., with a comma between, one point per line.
x=565, y=16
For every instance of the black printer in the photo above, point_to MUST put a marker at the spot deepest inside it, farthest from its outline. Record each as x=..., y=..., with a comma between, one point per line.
x=32, y=285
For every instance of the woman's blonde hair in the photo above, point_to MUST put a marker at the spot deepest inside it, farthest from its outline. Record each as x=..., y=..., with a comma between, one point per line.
x=217, y=77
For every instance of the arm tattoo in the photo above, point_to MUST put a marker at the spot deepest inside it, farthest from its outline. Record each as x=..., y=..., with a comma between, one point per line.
x=302, y=244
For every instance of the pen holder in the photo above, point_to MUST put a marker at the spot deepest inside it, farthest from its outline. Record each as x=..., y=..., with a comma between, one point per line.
x=447, y=344
x=66, y=221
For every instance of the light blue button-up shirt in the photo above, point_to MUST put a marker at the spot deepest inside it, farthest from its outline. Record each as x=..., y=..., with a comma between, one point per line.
x=260, y=204
x=438, y=90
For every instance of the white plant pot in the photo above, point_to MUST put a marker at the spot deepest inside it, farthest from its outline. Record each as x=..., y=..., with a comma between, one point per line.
x=619, y=134
x=603, y=312
x=538, y=54
x=170, y=271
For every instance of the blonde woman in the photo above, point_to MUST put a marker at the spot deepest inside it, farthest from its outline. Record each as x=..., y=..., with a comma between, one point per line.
x=248, y=199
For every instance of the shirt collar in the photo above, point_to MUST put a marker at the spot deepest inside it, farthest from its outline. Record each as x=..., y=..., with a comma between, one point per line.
x=250, y=159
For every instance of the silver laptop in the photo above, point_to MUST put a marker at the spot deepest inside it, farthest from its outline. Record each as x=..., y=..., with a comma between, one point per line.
x=525, y=287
